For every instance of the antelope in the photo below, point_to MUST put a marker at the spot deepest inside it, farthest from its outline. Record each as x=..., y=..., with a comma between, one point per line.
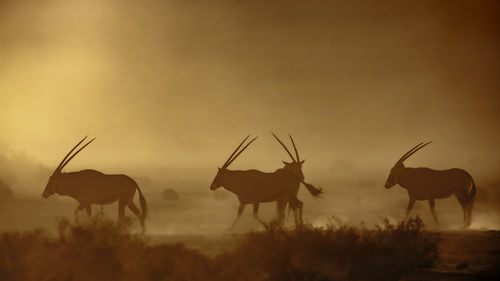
x=255, y=187
x=429, y=184
x=93, y=187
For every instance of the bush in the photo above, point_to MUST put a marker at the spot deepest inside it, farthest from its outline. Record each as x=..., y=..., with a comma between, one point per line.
x=95, y=250
x=336, y=252
x=170, y=194
x=5, y=191
x=102, y=250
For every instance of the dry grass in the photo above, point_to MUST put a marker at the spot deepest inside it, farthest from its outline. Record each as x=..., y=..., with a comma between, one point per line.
x=102, y=250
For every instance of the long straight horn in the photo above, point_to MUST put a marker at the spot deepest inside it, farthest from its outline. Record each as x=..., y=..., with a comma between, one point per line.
x=229, y=159
x=64, y=159
x=409, y=151
x=295, y=148
x=74, y=154
x=284, y=146
x=415, y=150
x=243, y=149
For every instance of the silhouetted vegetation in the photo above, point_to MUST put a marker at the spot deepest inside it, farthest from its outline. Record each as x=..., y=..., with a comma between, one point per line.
x=102, y=250
x=170, y=194
x=337, y=252
x=5, y=191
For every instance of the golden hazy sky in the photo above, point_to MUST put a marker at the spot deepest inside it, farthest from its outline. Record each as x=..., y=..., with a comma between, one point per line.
x=177, y=84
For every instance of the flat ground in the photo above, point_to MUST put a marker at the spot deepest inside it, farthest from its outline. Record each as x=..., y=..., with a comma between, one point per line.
x=465, y=255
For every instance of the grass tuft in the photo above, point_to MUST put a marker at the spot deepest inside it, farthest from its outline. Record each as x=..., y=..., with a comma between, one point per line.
x=100, y=249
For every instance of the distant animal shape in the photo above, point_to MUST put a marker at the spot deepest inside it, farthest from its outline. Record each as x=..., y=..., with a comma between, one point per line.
x=255, y=187
x=428, y=184
x=93, y=187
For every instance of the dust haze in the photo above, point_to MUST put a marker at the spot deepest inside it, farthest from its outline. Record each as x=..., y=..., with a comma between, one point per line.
x=169, y=88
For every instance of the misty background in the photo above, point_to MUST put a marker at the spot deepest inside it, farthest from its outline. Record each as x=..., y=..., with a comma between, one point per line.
x=169, y=88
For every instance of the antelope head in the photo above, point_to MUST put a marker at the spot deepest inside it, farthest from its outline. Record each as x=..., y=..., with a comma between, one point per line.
x=217, y=182
x=294, y=167
x=50, y=188
x=392, y=179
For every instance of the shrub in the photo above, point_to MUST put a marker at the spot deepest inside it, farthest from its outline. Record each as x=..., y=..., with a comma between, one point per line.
x=5, y=191
x=170, y=194
x=94, y=250
x=102, y=250
x=331, y=253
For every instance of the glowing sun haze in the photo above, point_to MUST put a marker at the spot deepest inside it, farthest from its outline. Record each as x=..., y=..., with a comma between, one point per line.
x=177, y=84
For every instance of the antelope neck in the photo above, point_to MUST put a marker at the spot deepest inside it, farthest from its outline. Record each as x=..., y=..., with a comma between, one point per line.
x=225, y=179
x=398, y=173
x=289, y=173
x=57, y=184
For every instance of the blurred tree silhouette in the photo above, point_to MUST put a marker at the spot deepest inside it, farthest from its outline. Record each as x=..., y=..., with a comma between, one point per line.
x=5, y=191
x=170, y=194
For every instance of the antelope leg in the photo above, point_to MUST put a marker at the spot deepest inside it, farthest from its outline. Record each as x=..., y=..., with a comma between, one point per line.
x=88, y=208
x=410, y=207
x=121, y=208
x=469, y=213
x=256, y=214
x=136, y=211
x=301, y=205
x=296, y=216
x=296, y=206
x=76, y=212
x=463, y=200
x=280, y=208
x=238, y=215
x=433, y=211
x=289, y=211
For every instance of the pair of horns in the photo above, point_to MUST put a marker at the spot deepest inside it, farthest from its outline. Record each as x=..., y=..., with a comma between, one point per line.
x=412, y=151
x=288, y=151
x=65, y=162
x=231, y=158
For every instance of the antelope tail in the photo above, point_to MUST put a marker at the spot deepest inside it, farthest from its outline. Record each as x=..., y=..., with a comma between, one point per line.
x=144, y=206
x=472, y=193
x=315, y=192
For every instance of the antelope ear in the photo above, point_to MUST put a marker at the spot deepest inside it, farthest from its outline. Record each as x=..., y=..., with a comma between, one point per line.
x=302, y=162
x=218, y=168
x=286, y=163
